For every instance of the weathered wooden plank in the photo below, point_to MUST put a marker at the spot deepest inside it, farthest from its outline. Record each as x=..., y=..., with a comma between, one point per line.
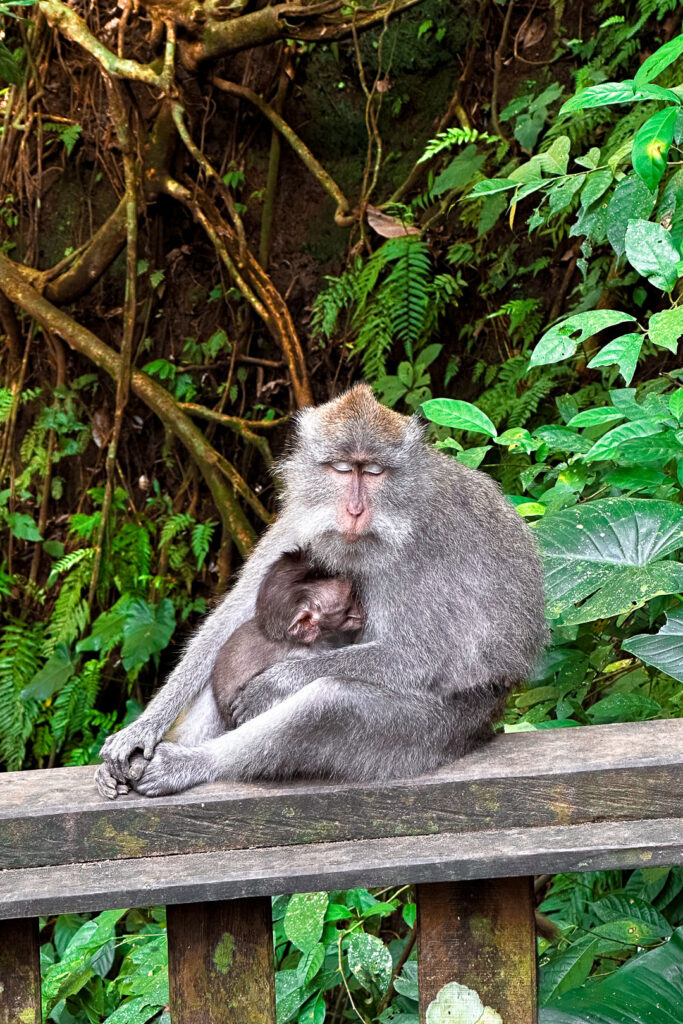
x=220, y=963
x=433, y=858
x=621, y=772
x=20, y=972
x=481, y=934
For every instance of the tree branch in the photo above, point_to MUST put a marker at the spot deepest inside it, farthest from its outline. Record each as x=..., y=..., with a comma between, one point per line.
x=252, y=281
x=20, y=291
x=341, y=216
x=74, y=28
x=280, y=22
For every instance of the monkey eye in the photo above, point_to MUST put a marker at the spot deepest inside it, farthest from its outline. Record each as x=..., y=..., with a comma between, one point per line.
x=373, y=468
x=341, y=467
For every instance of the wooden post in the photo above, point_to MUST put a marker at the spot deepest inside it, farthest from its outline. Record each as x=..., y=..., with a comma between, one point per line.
x=481, y=934
x=20, y=972
x=220, y=962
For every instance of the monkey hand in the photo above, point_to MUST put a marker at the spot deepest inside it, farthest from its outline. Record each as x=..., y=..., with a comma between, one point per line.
x=110, y=787
x=172, y=769
x=107, y=785
x=118, y=750
x=262, y=692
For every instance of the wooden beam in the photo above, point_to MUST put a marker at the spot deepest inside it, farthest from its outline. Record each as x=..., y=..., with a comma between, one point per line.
x=480, y=934
x=20, y=972
x=429, y=858
x=524, y=780
x=220, y=963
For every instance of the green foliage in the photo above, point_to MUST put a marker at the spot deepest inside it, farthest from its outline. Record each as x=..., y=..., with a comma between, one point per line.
x=605, y=918
x=112, y=968
x=394, y=296
x=574, y=404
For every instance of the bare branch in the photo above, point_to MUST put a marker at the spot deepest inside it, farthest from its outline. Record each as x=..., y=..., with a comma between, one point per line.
x=74, y=28
x=341, y=216
x=20, y=291
x=323, y=23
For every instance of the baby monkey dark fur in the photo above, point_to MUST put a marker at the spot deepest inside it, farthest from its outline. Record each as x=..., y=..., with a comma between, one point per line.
x=298, y=607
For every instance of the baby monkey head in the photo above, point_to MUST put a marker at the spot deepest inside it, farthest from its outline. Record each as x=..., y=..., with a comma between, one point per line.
x=296, y=602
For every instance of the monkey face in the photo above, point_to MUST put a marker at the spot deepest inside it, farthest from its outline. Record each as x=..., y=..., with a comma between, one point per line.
x=330, y=607
x=351, y=464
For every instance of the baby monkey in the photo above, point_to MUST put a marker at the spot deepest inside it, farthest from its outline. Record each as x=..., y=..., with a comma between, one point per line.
x=297, y=607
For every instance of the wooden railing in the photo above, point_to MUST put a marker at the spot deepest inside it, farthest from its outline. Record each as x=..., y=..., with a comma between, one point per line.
x=470, y=835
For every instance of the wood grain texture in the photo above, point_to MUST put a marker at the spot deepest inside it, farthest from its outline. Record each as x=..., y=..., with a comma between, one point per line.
x=20, y=972
x=531, y=780
x=481, y=934
x=220, y=963
x=225, y=875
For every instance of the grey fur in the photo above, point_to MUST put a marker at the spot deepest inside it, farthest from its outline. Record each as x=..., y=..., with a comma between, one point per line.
x=297, y=612
x=452, y=589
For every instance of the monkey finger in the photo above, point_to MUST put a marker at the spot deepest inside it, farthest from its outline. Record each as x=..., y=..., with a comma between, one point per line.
x=137, y=768
x=148, y=751
x=122, y=788
x=106, y=783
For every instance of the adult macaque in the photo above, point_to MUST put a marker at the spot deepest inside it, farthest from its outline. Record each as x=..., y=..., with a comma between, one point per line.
x=451, y=586
x=298, y=609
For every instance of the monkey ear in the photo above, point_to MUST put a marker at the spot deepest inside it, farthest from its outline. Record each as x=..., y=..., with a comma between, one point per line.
x=304, y=627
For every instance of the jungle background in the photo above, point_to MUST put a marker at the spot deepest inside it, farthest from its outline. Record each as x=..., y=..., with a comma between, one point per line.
x=215, y=212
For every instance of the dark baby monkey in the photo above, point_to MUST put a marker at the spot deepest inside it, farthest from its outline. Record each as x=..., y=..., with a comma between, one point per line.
x=297, y=607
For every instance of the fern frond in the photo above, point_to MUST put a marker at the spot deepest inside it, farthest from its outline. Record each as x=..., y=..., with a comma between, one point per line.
x=407, y=290
x=454, y=137
x=20, y=659
x=74, y=702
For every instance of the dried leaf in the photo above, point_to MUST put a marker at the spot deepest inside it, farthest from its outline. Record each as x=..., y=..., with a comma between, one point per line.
x=388, y=227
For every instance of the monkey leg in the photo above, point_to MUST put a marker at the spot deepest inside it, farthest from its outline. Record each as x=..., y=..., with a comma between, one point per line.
x=331, y=728
x=199, y=722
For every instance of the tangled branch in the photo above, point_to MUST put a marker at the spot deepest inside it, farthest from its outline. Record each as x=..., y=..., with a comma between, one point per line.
x=211, y=464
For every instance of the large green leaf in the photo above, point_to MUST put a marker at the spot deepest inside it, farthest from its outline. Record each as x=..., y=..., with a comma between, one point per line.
x=567, y=971
x=601, y=95
x=651, y=252
x=563, y=339
x=646, y=990
x=10, y=69
x=663, y=650
x=55, y=674
x=651, y=146
x=624, y=352
x=610, y=443
x=146, y=631
x=304, y=919
x=459, y=171
x=611, y=549
x=370, y=961
x=628, y=588
x=631, y=199
x=666, y=327
x=451, y=412
x=658, y=61
x=490, y=186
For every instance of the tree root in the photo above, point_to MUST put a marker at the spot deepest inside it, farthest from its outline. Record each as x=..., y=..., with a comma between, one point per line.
x=252, y=281
x=212, y=465
x=341, y=217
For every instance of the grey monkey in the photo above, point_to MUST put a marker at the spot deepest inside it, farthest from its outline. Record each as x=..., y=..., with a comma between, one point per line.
x=451, y=585
x=298, y=609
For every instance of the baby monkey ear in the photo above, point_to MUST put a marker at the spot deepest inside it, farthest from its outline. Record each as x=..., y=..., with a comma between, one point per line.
x=305, y=626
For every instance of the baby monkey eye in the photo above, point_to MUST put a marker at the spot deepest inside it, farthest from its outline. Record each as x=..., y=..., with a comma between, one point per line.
x=341, y=467
x=373, y=468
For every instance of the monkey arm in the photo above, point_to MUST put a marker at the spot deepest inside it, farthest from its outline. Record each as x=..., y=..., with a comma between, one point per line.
x=372, y=662
x=340, y=729
x=192, y=674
